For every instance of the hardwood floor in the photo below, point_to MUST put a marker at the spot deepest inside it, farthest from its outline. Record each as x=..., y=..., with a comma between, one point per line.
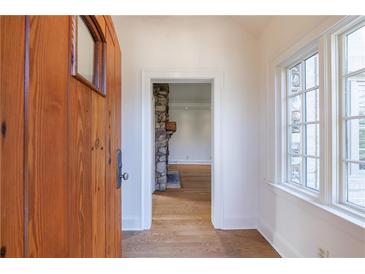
x=181, y=225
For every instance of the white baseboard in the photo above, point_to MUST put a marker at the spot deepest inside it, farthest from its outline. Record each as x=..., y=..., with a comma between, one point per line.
x=131, y=224
x=238, y=223
x=190, y=162
x=278, y=242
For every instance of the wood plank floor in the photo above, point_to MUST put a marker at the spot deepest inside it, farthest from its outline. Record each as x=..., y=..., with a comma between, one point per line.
x=181, y=225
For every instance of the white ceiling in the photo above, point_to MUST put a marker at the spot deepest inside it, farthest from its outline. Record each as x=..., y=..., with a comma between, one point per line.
x=254, y=24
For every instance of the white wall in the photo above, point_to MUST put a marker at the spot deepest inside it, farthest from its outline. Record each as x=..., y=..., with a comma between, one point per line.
x=190, y=108
x=191, y=143
x=295, y=227
x=194, y=43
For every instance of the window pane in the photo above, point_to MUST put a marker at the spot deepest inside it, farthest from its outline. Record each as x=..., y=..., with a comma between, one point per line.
x=312, y=173
x=356, y=50
x=355, y=95
x=295, y=109
x=312, y=106
x=311, y=72
x=355, y=140
x=295, y=169
x=312, y=140
x=295, y=139
x=295, y=78
x=85, y=51
x=355, y=184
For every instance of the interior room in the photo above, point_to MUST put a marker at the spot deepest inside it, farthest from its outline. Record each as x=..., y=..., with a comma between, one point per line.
x=182, y=136
x=293, y=202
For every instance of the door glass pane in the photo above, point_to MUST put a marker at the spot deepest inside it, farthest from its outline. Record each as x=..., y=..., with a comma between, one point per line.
x=295, y=109
x=85, y=51
x=295, y=139
x=355, y=50
x=311, y=72
x=312, y=173
x=312, y=106
x=355, y=184
x=295, y=169
x=355, y=95
x=355, y=140
x=312, y=139
x=295, y=78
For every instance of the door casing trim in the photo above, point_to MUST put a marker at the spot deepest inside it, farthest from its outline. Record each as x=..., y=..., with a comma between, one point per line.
x=215, y=78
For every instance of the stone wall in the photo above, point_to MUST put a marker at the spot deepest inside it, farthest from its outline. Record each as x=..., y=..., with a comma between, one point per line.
x=161, y=94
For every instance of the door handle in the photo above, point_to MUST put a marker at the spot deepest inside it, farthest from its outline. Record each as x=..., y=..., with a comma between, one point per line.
x=120, y=174
x=125, y=176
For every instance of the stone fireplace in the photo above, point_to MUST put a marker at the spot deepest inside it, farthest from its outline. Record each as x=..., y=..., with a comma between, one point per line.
x=163, y=131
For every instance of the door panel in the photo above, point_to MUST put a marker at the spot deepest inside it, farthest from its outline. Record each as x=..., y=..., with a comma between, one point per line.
x=80, y=158
x=98, y=174
x=59, y=136
x=48, y=134
x=12, y=62
x=117, y=125
x=113, y=223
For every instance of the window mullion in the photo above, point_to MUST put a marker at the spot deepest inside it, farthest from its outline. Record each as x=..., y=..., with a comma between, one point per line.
x=303, y=129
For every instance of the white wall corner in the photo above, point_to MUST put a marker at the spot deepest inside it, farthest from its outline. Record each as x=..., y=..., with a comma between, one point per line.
x=132, y=223
x=238, y=223
x=278, y=242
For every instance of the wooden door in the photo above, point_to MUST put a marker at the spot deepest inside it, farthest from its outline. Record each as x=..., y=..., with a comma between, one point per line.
x=86, y=204
x=113, y=210
x=95, y=137
x=12, y=69
x=48, y=188
x=59, y=137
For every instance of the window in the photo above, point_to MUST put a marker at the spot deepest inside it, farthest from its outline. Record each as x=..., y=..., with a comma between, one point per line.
x=320, y=119
x=88, y=52
x=352, y=103
x=85, y=51
x=303, y=123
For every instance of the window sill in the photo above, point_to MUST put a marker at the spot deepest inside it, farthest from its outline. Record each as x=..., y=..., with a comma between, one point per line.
x=338, y=210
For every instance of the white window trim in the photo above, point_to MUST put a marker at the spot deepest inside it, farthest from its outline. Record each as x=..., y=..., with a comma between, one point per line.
x=297, y=59
x=324, y=40
x=300, y=56
x=338, y=112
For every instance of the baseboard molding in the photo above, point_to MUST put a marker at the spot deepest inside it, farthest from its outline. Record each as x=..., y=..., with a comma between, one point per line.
x=190, y=162
x=278, y=242
x=238, y=223
x=131, y=224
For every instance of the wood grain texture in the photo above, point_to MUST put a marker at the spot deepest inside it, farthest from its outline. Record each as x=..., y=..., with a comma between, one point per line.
x=101, y=21
x=80, y=162
x=12, y=62
x=109, y=24
x=113, y=219
x=48, y=136
x=57, y=146
x=117, y=133
x=182, y=226
x=110, y=154
x=98, y=174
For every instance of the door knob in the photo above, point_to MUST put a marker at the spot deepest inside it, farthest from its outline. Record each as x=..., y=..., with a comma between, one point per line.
x=125, y=176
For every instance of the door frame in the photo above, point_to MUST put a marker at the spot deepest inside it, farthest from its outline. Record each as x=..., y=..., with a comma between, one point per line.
x=215, y=78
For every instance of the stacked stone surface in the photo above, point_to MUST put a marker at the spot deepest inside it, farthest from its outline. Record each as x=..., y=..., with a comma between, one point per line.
x=161, y=94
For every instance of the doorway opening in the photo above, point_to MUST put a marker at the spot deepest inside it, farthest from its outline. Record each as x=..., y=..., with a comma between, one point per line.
x=182, y=190
x=212, y=80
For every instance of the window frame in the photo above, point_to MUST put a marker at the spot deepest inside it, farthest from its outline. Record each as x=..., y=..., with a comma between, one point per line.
x=339, y=48
x=282, y=175
x=99, y=76
x=303, y=124
x=323, y=40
